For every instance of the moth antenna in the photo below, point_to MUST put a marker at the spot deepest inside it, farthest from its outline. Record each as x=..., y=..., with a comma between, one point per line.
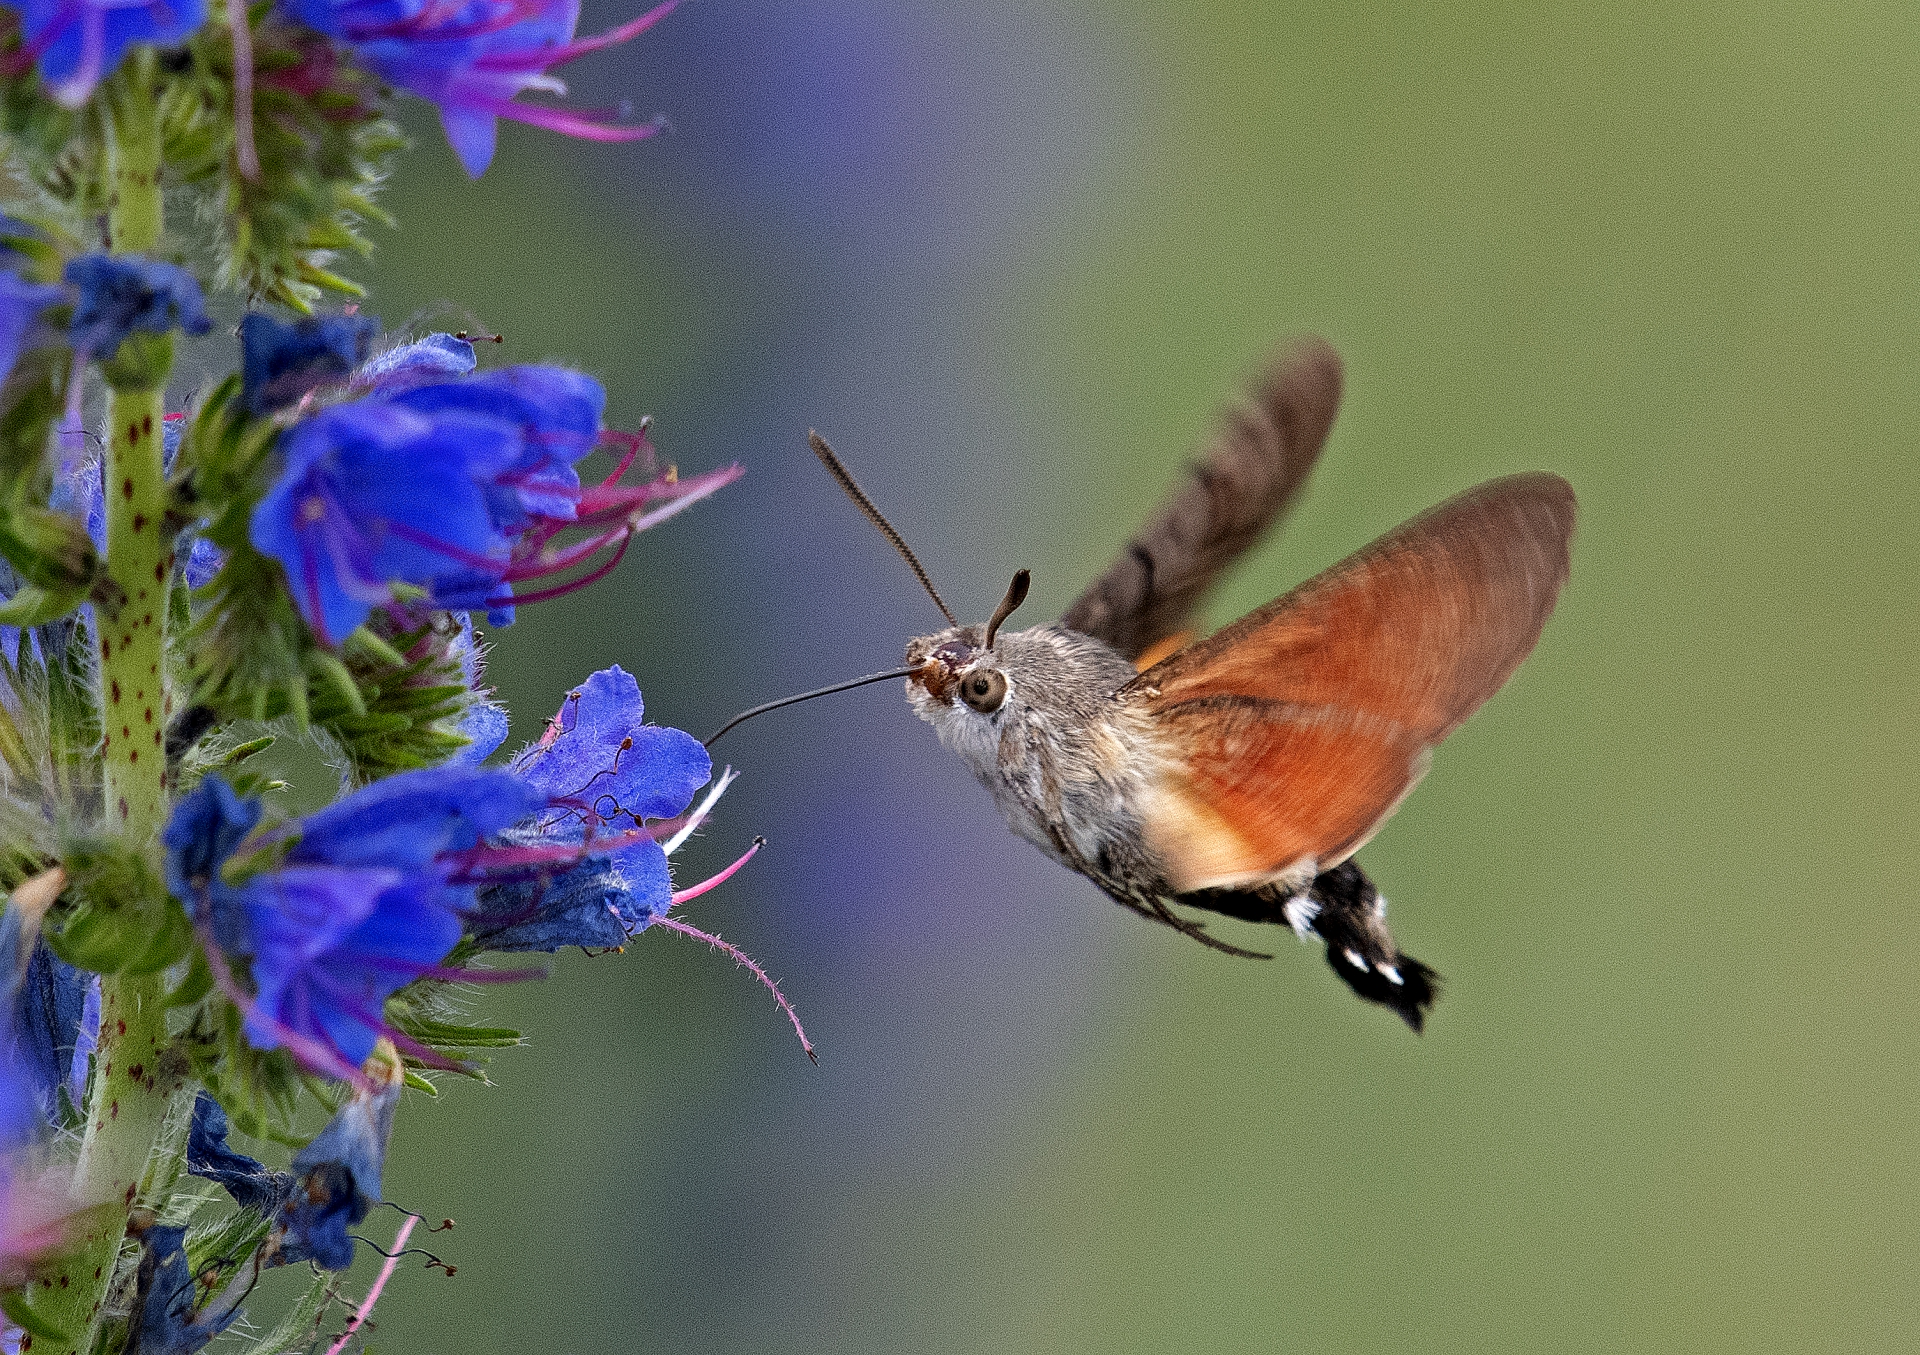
x=845, y=478
x=806, y=696
x=1016, y=594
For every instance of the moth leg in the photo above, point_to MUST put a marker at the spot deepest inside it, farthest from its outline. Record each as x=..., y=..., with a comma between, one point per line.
x=1157, y=911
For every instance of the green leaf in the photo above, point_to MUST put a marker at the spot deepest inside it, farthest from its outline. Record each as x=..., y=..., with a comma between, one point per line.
x=300, y=1328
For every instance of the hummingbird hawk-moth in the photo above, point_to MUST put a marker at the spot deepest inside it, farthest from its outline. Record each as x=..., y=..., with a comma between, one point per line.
x=1239, y=774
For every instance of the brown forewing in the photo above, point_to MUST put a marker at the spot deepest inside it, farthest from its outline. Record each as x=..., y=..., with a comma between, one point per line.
x=1295, y=731
x=1254, y=468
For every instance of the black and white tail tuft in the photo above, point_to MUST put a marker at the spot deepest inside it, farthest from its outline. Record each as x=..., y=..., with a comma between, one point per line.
x=1343, y=909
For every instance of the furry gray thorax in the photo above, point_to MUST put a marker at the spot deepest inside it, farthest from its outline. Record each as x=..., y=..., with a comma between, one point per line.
x=1067, y=761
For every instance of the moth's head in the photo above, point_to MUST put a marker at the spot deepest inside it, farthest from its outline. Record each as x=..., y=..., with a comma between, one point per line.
x=955, y=667
x=963, y=670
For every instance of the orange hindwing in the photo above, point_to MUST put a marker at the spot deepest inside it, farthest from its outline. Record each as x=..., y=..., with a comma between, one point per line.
x=1294, y=732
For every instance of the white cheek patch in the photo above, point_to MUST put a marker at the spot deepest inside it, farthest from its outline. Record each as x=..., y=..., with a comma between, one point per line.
x=1356, y=959
x=1393, y=975
x=1300, y=911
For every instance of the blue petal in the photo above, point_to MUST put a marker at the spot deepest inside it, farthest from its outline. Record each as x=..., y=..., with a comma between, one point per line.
x=434, y=358
x=599, y=752
x=410, y=818
x=648, y=891
x=578, y=908
x=486, y=725
x=203, y=831
x=472, y=134
x=165, y=1321
x=50, y=1014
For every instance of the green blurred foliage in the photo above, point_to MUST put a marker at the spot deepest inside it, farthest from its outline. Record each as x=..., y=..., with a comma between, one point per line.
x=1666, y=1102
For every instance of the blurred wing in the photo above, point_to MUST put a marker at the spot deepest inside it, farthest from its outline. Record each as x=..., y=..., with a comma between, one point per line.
x=1253, y=470
x=1295, y=731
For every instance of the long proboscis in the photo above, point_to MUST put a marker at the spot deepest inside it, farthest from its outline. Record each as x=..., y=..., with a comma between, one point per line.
x=859, y=496
x=744, y=715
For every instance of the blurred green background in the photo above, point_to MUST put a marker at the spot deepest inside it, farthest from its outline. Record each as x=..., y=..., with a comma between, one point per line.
x=1013, y=256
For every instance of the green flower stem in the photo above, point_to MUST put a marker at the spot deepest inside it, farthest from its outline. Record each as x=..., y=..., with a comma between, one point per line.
x=134, y=1071
x=133, y=155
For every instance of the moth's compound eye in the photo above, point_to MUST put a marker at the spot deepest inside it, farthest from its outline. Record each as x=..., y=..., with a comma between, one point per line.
x=984, y=690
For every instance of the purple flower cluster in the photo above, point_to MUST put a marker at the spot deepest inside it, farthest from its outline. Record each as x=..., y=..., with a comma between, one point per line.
x=456, y=488
x=365, y=899
x=473, y=58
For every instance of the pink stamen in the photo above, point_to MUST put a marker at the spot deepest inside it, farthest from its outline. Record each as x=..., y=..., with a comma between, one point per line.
x=558, y=56
x=569, y=123
x=244, y=153
x=742, y=958
x=373, y=1294
x=715, y=881
x=321, y=1058
x=574, y=585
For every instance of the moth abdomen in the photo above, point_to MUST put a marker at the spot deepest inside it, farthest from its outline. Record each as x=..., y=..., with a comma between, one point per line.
x=1343, y=909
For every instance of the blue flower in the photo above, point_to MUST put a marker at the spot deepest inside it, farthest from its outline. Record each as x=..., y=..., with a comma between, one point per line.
x=49, y=1018
x=374, y=494
x=434, y=358
x=473, y=59
x=281, y=362
x=20, y=305
x=603, y=774
x=165, y=1319
x=364, y=901
x=455, y=487
x=120, y=293
x=557, y=412
x=57, y=1018
x=78, y=41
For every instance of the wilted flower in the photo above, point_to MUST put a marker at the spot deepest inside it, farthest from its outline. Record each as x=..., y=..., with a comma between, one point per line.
x=166, y=1320
x=335, y=1179
x=76, y=42
x=281, y=362
x=337, y=1176
x=121, y=293
x=246, y=1179
x=362, y=902
x=473, y=59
